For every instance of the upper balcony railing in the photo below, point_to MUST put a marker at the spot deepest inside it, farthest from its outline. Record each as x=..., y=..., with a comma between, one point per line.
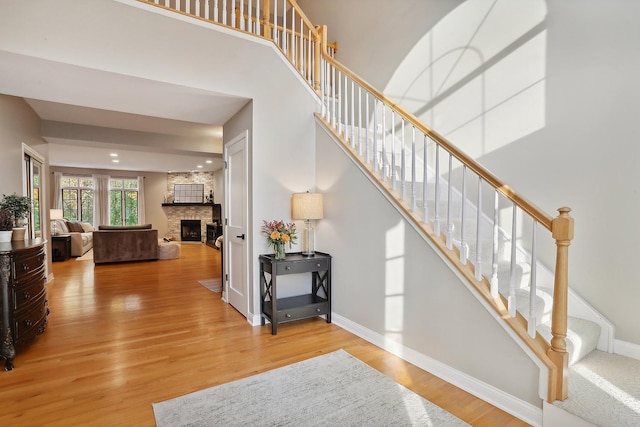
x=280, y=21
x=453, y=199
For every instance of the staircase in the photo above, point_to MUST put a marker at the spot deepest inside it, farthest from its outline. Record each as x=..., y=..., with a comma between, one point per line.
x=501, y=243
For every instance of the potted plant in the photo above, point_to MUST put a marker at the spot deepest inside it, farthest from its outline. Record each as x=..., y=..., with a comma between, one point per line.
x=19, y=207
x=6, y=225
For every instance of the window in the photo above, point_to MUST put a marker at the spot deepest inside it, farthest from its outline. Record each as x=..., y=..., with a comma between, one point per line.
x=123, y=201
x=77, y=198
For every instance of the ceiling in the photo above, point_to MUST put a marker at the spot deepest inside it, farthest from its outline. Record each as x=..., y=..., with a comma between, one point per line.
x=85, y=137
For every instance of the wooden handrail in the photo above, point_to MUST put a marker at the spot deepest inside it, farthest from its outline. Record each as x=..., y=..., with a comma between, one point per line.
x=487, y=176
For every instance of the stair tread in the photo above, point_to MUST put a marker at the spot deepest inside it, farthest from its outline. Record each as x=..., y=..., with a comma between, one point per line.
x=604, y=390
x=582, y=337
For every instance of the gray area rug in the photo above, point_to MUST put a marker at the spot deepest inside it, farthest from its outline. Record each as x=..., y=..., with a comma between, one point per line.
x=214, y=285
x=604, y=390
x=335, y=389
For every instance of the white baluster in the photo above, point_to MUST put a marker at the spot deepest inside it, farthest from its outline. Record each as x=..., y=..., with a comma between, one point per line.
x=478, y=267
x=403, y=163
x=275, y=22
x=334, y=101
x=353, y=116
x=340, y=100
x=359, y=120
x=224, y=12
x=197, y=5
x=310, y=47
x=187, y=6
x=425, y=212
x=242, y=24
x=251, y=28
x=384, y=142
x=494, y=261
x=285, y=37
x=345, y=107
x=531, y=327
x=368, y=118
x=215, y=11
x=393, y=149
x=293, y=37
x=512, y=268
x=258, y=28
x=207, y=10
x=464, y=248
x=233, y=13
x=413, y=168
x=436, y=218
x=323, y=88
x=376, y=163
x=449, y=235
x=177, y=4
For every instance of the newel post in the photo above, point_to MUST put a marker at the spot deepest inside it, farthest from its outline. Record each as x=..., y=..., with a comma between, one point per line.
x=266, y=18
x=562, y=232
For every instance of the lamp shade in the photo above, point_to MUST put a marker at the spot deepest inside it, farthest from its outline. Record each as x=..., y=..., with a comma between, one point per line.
x=306, y=206
x=56, y=214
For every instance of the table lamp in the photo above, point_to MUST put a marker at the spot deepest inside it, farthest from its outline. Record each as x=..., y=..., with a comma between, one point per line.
x=307, y=206
x=55, y=214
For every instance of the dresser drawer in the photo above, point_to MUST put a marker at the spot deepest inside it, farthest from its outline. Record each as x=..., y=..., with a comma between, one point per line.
x=295, y=267
x=28, y=264
x=26, y=294
x=30, y=322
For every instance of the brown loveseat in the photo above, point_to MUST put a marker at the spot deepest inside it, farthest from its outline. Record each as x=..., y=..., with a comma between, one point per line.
x=125, y=243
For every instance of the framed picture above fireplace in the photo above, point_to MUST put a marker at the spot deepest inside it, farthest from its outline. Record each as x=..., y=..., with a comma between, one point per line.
x=188, y=193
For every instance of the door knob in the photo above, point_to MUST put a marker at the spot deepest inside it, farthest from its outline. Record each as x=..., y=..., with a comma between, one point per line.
x=241, y=236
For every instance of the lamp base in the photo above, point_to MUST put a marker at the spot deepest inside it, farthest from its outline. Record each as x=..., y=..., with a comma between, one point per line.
x=308, y=239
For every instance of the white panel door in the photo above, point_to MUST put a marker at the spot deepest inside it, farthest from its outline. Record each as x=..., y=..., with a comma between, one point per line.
x=236, y=205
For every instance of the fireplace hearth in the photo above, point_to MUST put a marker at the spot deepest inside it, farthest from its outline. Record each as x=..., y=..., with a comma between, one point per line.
x=190, y=230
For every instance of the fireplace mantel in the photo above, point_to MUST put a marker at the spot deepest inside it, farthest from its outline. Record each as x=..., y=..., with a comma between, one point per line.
x=187, y=204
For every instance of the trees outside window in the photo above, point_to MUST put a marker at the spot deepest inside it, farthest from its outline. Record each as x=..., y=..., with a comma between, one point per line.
x=77, y=198
x=123, y=198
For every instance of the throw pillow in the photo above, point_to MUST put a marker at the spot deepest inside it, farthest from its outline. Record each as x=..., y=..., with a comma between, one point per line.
x=75, y=227
x=88, y=228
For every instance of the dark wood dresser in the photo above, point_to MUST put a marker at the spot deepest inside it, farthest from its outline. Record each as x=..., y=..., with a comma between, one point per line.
x=23, y=296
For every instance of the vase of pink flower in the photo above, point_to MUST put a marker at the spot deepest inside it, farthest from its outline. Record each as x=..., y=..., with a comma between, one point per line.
x=278, y=235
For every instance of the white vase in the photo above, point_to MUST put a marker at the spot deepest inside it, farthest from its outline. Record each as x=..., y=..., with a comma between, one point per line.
x=18, y=233
x=5, y=236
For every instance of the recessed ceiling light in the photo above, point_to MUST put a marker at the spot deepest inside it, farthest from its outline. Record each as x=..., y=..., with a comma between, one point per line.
x=199, y=166
x=114, y=154
x=115, y=161
x=209, y=161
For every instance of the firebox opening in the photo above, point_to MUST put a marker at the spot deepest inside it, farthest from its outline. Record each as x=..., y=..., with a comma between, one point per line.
x=190, y=230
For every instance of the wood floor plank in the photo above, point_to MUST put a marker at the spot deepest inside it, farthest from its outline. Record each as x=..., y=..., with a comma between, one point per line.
x=123, y=336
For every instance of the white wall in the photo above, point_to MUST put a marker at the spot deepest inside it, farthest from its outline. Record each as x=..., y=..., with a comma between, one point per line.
x=556, y=120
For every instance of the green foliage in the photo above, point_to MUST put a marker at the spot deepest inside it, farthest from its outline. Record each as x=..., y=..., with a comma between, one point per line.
x=18, y=206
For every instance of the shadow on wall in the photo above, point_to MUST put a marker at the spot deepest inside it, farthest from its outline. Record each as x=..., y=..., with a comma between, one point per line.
x=478, y=77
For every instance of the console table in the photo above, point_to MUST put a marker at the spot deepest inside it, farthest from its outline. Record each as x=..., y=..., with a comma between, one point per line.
x=279, y=310
x=23, y=295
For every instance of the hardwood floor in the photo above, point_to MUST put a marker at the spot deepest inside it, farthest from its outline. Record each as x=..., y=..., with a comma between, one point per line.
x=123, y=336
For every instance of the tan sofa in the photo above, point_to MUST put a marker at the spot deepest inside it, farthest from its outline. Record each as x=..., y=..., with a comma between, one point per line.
x=81, y=234
x=125, y=243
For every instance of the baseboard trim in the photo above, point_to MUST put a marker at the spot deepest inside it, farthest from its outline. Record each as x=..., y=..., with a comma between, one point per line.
x=498, y=398
x=625, y=348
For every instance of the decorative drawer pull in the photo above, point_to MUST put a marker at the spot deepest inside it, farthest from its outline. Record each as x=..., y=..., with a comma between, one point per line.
x=288, y=315
x=27, y=295
x=318, y=310
x=25, y=267
x=28, y=322
x=288, y=268
x=318, y=265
